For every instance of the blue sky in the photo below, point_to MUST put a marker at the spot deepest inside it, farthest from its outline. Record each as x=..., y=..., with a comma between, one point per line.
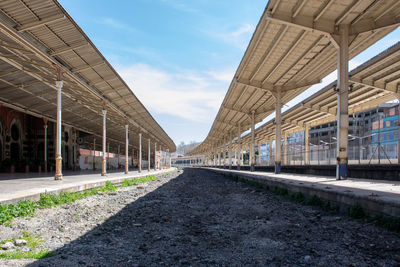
x=179, y=56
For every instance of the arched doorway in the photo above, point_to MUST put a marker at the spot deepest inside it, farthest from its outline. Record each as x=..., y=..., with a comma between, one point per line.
x=15, y=142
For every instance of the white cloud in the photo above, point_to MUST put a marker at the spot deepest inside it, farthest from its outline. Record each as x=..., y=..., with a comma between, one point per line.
x=110, y=22
x=238, y=37
x=191, y=95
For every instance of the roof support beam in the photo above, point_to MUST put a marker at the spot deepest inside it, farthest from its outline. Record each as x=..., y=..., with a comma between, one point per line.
x=14, y=47
x=226, y=123
x=294, y=86
x=41, y=22
x=326, y=28
x=303, y=22
x=322, y=10
x=294, y=123
x=319, y=109
x=69, y=48
x=272, y=89
x=380, y=86
x=258, y=85
x=346, y=12
x=372, y=25
x=236, y=110
x=87, y=66
x=103, y=80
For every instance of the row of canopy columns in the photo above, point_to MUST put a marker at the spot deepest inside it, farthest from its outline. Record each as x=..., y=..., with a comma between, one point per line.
x=58, y=165
x=341, y=42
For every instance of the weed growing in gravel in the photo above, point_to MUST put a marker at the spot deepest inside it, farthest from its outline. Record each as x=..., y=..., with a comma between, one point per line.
x=108, y=187
x=44, y=253
x=33, y=242
x=47, y=200
x=390, y=223
x=281, y=191
x=356, y=211
x=23, y=208
x=298, y=197
x=135, y=181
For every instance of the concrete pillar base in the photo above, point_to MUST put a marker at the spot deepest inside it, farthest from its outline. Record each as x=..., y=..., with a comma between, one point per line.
x=341, y=171
x=58, y=174
x=103, y=167
x=277, y=167
x=252, y=168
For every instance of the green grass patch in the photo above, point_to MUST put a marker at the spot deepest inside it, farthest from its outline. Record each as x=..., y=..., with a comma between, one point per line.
x=108, y=187
x=48, y=200
x=32, y=241
x=390, y=223
x=298, y=197
x=280, y=191
x=356, y=212
x=45, y=253
x=136, y=181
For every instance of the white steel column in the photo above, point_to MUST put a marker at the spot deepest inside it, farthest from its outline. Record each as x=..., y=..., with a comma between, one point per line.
x=126, y=148
x=169, y=158
x=230, y=151
x=307, y=144
x=59, y=85
x=398, y=131
x=45, y=144
x=140, y=153
x=155, y=157
x=252, y=154
x=161, y=158
x=104, y=160
x=148, y=157
x=108, y=155
x=270, y=152
x=94, y=154
x=214, y=155
x=239, y=148
x=278, y=133
x=119, y=152
x=343, y=109
x=285, y=152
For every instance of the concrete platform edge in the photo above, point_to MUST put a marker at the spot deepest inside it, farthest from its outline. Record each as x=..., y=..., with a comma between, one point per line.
x=343, y=200
x=82, y=186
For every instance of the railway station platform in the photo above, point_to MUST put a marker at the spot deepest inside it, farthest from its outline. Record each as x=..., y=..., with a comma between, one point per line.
x=23, y=187
x=376, y=197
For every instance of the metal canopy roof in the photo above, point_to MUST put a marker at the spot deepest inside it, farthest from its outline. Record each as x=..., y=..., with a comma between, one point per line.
x=374, y=82
x=38, y=34
x=294, y=46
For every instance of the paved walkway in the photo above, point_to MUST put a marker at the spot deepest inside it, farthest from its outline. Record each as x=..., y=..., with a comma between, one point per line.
x=19, y=186
x=376, y=196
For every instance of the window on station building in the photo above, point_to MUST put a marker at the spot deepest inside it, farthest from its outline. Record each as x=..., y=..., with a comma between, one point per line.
x=375, y=125
x=15, y=132
x=14, y=151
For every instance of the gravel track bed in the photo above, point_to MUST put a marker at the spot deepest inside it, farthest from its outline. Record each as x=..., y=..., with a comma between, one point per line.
x=200, y=218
